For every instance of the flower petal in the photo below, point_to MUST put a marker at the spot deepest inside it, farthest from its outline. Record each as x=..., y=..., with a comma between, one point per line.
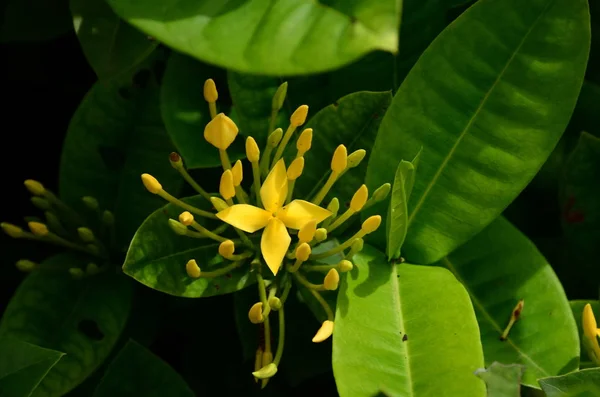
x=274, y=244
x=245, y=217
x=299, y=212
x=274, y=189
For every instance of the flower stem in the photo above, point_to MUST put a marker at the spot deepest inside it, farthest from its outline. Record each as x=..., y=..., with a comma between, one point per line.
x=340, y=220
x=286, y=138
x=302, y=280
x=325, y=189
x=223, y=271
x=262, y=293
x=256, y=183
x=188, y=178
x=162, y=193
x=224, y=159
x=323, y=303
x=212, y=107
x=207, y=232
x=318, y=268
x=281, y=339
x=339, y=248
x=290, y=191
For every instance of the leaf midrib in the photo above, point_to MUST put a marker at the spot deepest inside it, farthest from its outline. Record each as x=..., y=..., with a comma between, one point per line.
x=472, y=120
x=488, y=316
x=398, y=309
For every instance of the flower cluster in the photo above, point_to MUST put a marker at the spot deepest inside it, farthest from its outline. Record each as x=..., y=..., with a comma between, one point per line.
x=291, y=229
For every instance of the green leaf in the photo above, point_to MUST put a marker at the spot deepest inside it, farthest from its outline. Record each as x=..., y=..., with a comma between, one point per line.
x=157, y=258
x=111, y=45
x=487, y=104
x=502, y=380
x=185, y=112
x=114, y=136
x=499, y=267
x=23, y=366
x=398, y=212
x=408, y=329
x=263, y=37
x=577, y=308
x=582, y=383
x=137, y=370
x=82, y=318
x=34, y=20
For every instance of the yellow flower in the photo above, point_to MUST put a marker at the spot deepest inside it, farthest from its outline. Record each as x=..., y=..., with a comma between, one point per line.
x=275, y=217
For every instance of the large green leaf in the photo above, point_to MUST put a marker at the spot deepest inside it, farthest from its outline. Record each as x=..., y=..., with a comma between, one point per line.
x=23, y=366
x=584, y=383
x=114, y=136
x=577, y=308
x=34, y=20
x=407, y=329
x=111, y=45
x=276, y=38
x=499, y=267
x=137, y=370
x=83, y=318
x=397, y=222
x=502, y=380
x=185, y=112
x=157, y=258
x=487, y=104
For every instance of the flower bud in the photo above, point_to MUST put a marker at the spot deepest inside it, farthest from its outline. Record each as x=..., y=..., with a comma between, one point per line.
x=226, y=248
x=324, y=332
x=226, y=188
x=237, y=173
x=210, y=91
x=76, y=273
x=108, y=218
x=334, y=206
x=26, y=265
x=186, y=218
x=178, y=227
x=35, y=187
x=92, y=269
x=279, y=97
x=41, y=203
x=218, y=203
x=256, y=313
x=299, y=116
x=344, y=266
x=359, y=199
x=371, y=224
x=12, y=230
x=295, y=169
x=90, y=202
x=192, y=269
x=175, y=160
x=332, y=280
x=307, y=232
x=38, y=229
x=303, y=252
x=304, y=141
x=339, y=160
x=85, y=234
x=252, y=150
x=321, y=234
x=266, y=372
x=275, y=137
x=151, y=183
x=275, y=303
x=356, y=157
x=221, y=132
x=382, y=192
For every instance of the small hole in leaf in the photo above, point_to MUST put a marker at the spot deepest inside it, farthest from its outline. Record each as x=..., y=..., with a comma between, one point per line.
x=125, y=93
x=90, y=329
x=141, y=79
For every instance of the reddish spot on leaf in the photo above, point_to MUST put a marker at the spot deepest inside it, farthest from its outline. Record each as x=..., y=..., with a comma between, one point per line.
x=217, y=287
x=569, y=214
x=228, y=275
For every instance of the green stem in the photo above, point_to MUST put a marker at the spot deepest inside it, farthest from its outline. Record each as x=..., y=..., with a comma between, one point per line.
x=207, y=232
x=302, y=280
x=283, y=144
x=262, y=293
x=187, y=177
x=318, y=268
x=224, y=160
x=323, y=303
x=221, y=272
x=190, y=208
x=339, y=248
x=272, y=121
x=340, y=220
x=281, y=339
x=290, y=191
x=212, y=107
x=256, y=183
x=325, y=189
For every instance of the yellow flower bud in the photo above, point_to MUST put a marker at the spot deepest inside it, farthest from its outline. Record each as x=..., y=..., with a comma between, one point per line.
x=357, y=245
x=266, y=372
x=299, y=116
x=345, y=266
x=321, y=234
x=275, y=303
x=382, y=192
x=41, y=203
x=186, y=218
x=226, y=248
x=267, y=358
x=221, y=131
x=151, y=183
x=334, y=205
x=90, y=202
x=175, y=160
x=332, y=280
x=295, y=169
x=590, y=327
x=76, y=273
x=35, y=187
x=275, y=137
x=210, y=91
x=340, y=159
x=252, y=150
x=192, y=268
x=12, y=230
x=86, y=235
x=279, y=96
x=237, y=173
x=226, y=188
x=219, y=204
x=356, y=157
x=303, y=252
x=39, y=229
x=307, y=232
x=304, y=141
x=324, y=332
x=177, y=227
x=26, y=265
x=371, y=224
x=359, y=199
x=255, y=314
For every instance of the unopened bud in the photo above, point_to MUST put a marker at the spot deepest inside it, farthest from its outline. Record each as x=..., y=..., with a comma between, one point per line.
x=275, y=137
x=175, y=160
x=279, y=96
x=85, y=234
x=210, y=91
x=186, y=218
x=307, y=232
x=344, y=266
x=93, y=248
x=357, y=245
x=218, y=203
x=371, y=224
x=303, y=252
x=108, y=218
x=339, y=160
x=151, y=183
x=41, y=203
x=295, y=169
x=359, y=199
x=38, y=229
x=26, y=265
x=258, y=359
x=299, y=116
x=252, y=150
x=321, y=234
x=226, y=188
x=92, y=269
x=226, y=248
x=334, y=206
x=12, y=230
x=221, y=132
x=332, y=280
x=35, y=187
x=90, y=202
x=266, y=372
x=255, y=314
x=237, y=173
x=324, y=332
x=382, y=192
x=192, y=269
x=356, y=157
x=275, y=303
x=178, y=227
x=76, y=273
x=304, y=141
